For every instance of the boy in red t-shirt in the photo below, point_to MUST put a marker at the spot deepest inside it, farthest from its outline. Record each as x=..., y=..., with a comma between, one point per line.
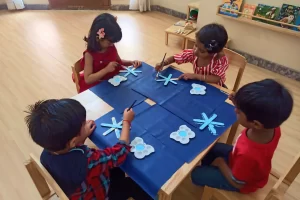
x=261, y=107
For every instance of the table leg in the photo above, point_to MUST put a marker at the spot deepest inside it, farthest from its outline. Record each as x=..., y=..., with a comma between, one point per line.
x=186, y=43
x=183, y=43
x=167, y=38
x=232, y=133
x=164, y=196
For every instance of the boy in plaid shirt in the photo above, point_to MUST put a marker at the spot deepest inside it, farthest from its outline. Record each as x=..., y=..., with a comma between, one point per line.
x=60, y=127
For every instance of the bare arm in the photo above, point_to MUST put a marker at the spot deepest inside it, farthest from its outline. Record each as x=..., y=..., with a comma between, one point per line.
x=209, y=78
x=128, y=116
x=226, y=171
x=89, y=76
x=167, y=61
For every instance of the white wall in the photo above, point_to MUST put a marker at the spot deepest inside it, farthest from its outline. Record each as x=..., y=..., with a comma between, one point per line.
x=273, y=46
x=2, y=1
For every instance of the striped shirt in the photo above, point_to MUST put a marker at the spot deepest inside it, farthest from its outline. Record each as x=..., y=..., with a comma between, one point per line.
x=216, y=67
x=84, y=173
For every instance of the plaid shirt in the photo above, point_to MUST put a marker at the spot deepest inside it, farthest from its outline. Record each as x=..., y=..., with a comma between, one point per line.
x=93, y=177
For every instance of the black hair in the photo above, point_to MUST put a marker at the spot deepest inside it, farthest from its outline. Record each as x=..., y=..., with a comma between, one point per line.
x=213, y=36
x=53, y=123
x=111, y=28
x=266, y=101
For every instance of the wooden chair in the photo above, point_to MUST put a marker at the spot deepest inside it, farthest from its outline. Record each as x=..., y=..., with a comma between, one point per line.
x=274, y=190
x=42, y=180
x=76, y=69
x=239, y=61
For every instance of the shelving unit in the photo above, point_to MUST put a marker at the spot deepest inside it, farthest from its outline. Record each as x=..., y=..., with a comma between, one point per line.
x=260, y=24
x=191, y=6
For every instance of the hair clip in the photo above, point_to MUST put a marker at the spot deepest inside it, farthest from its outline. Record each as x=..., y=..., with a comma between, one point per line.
x=101, y=33
x=211, y=45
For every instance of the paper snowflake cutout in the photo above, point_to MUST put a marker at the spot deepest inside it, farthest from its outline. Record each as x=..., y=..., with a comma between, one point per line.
x=183, y=135
x=167, y=80
x=198, y=89
x=140, y=148
x=113, y=127
x=205, y=121
x=116, y=80
x=130, y=70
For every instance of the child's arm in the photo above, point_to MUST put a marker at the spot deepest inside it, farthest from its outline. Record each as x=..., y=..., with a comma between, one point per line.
x=116, y=155
x=200, y=77
x=91, y=77
x=226, y=171
x=184, y=57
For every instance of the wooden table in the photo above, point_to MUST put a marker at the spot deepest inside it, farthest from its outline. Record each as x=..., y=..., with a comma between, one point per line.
x=96, y=108
x=172, y=30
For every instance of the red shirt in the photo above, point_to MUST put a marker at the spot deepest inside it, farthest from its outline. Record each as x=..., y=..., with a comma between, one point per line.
x=100, y=61
x=251, y=162
x=216, y=67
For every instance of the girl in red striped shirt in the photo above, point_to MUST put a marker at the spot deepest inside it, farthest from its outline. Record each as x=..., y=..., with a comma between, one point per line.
x=208, y=59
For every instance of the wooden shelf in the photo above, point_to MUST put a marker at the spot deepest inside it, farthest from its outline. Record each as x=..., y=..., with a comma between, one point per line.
x=261, y=24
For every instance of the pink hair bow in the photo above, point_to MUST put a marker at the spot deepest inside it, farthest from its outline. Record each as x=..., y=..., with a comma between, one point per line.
x=101, y=33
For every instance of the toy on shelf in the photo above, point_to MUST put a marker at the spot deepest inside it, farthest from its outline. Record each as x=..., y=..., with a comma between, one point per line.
x=116, y=80
x=183, y=135
x=130, y=70
x=209, y=122
x=140, y=148
x=167, y=80
x=113, y=127
x=188, y=27
x=198, y=89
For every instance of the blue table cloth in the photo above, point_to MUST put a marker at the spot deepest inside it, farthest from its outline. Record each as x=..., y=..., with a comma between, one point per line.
x=157, y=91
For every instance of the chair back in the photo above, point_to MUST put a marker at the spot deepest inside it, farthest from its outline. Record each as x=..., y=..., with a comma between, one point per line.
x=42, y=178
x=239, y=61
x=76, y=69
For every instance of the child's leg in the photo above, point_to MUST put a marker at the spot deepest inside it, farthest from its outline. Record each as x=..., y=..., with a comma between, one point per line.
x=122, y=188
x=212, y=177
x=219, y=150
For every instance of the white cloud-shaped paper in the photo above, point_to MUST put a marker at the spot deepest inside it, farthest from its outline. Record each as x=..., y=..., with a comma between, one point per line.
x=198, y=89
x=116, y=80
x=140, y=148
x=183, y=135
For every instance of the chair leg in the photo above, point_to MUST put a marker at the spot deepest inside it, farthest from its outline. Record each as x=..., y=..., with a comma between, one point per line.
x=164, y=196
x=207, y=193
x=186, y=43
x=38, y=179
x=183, y=44
x=232, y=133
x=167, y=38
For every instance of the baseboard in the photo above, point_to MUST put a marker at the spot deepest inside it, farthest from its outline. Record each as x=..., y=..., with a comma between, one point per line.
x=168, y=11
x=120, y=7
x=271, y=66
x=36, y=6
x=3, y=7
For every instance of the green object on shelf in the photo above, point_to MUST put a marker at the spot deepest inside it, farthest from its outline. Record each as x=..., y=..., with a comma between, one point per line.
x=193, y=15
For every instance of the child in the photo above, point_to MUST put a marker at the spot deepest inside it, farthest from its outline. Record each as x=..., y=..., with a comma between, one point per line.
x=101, y=60
x=60, y=127
x=208, y=59
x=261, y=107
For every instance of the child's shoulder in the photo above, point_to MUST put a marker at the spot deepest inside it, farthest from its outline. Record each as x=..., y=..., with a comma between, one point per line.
x=221, y=55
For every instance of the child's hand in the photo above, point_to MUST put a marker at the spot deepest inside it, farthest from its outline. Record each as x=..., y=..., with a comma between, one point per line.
x=231, y=97
x=128, y=115
x=86, y=130
x=111, y=67
x=158, y=67
x=188, y=76
x=136, y=63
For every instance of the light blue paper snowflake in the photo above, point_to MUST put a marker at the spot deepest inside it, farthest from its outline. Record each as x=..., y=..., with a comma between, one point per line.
x=113, y=127
x=116, y=80
x=140, y=148
x=198, y=89
x=167, y=80
x=183, y=135
x=130, y=70
x=205, y=121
